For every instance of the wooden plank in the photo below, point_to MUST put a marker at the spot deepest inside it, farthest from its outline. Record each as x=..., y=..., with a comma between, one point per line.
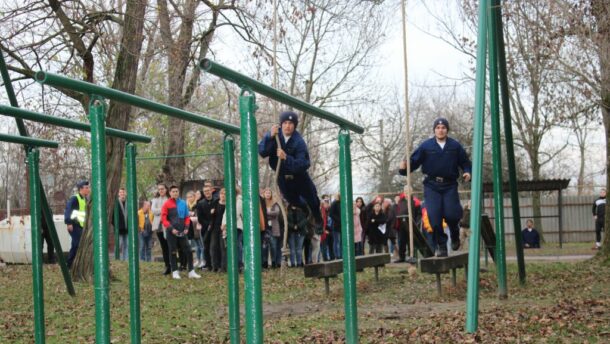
x=443, y=264
x=335, y=267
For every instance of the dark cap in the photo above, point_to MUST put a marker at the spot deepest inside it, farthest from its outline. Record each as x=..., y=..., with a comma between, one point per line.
x=289, y=116
x=442, y=121
x=82, y=184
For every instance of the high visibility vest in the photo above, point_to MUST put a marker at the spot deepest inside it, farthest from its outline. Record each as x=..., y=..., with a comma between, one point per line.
x=80, y=215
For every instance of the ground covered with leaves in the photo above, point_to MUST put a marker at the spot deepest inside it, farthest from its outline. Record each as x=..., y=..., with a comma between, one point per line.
x=567, y=302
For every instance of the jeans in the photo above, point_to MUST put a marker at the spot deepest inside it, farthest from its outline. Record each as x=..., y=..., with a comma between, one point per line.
x=336, y=244
x=315, y=249
x=276, y=250
x=123, y=244
x=325, y=249
x=178, y=243
x=76, y=233
x=197, y=245
x=295, y=240
x=265, y=243
x=146, y=247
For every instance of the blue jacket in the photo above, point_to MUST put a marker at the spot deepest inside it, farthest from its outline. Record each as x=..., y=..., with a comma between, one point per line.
x=297, y=156
x=437, y=162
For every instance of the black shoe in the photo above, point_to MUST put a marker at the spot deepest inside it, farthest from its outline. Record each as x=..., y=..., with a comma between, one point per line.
x=442, y=253
x=455, y=244
x=167, y=271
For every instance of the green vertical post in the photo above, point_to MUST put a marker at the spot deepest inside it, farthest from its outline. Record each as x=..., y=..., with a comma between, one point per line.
x=252, y=242
x=508, y=133
x=232, y=259
x=97, y=114
x=115, y=227
x=472, y=293
x=132, y=228
x=494, y=100
x=35, y=224
x=347, y=235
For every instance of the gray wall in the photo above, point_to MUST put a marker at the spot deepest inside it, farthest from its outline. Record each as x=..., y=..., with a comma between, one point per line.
x=578, y=225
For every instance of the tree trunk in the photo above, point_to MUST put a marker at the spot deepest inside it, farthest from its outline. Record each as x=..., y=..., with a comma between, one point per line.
x=117, y=117
x=581, y=170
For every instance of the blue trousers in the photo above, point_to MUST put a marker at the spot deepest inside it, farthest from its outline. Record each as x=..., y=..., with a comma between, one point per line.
x=124, y=243
x=443, y=202
x=337, y=244
x=295, y=241
x=302, y=192
x=76, y=233
x=145, y=247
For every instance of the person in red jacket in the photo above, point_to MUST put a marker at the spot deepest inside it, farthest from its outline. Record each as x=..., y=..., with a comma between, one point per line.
x=176, y=221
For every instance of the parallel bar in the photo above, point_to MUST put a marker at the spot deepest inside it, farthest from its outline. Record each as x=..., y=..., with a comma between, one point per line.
x=29, y=141
x=134, y=257
x=35, y=224
x=347, y=235
x=494, y=100
x=252, y=242
x=244, y=81
x=232, y=245
x=508, y=133
x=472, y=293
x=123, y=97
x=97, y=114
x=68, y=123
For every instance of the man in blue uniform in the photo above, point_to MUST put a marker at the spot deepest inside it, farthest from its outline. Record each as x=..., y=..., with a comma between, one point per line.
x=75, y=217
x=294, y=182
x=441, y=159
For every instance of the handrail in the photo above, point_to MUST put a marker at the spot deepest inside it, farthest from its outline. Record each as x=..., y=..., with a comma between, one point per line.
x=127, y=98
x=29, y=141
x=68, y=123
x=242, y=80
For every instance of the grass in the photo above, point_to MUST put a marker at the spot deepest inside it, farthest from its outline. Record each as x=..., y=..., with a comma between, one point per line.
x=561, y=303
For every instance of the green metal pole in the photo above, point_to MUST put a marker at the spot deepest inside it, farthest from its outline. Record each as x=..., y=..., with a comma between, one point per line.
x=244, y=81
x=21, y=114
x=252, y=242
x=472, y=293
x=497, y=158
x=97, y=114
x=127, y=98
x=132, y=227
x=61, y=259
x=31, y=141
x=508, y=133
x=10, y=92
x=232, y=259
x=347, y=235
x=35, y=216
x=115, y=222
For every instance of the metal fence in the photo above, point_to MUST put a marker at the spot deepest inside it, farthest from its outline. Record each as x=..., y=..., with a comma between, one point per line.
x=577, y=219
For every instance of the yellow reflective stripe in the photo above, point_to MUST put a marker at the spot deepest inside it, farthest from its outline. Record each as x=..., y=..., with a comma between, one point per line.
x=81, y=214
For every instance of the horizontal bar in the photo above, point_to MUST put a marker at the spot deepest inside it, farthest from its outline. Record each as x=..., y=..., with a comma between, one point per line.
x=242, y=80
x=159, y=157
x=127, y=98
x=68, y=123
x=30, y=141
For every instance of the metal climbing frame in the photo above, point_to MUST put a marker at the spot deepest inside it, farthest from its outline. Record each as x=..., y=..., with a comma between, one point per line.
x=490, y=35
x=249, y=161
x=97, y=113
x=35, y=225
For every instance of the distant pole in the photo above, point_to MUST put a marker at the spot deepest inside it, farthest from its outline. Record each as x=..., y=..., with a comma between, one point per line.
x=403, y=6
